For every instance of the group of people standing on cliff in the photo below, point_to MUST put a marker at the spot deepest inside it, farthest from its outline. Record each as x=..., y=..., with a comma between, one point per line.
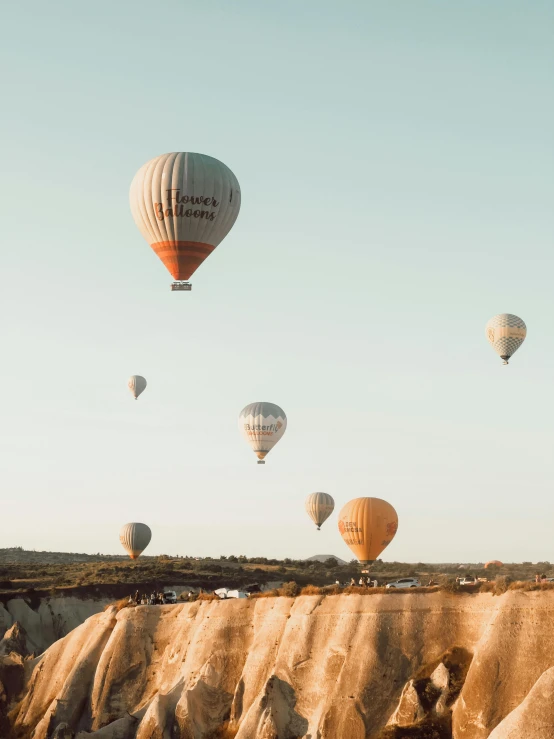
x=363, y=582
x=154, y=599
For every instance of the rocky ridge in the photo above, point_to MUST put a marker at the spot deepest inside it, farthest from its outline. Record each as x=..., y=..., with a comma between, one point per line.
x=346, y=666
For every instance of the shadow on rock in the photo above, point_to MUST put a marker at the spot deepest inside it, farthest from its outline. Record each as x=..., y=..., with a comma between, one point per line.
x=273, y=714
x=424, y=710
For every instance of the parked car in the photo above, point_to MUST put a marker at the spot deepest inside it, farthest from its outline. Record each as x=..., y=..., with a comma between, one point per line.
x=224, y=593
x=468, y=581
x=404, y=582
x=170, y=596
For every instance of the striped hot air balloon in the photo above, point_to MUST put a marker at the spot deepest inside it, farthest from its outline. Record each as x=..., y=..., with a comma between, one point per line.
x=506, y=333
x=184, y=204
x=137, y=385
x=135, y=537
x=319, y=507
x=262, y=425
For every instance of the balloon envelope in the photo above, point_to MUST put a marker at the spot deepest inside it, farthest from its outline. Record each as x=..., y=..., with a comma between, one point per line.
x=137, y=385
x=135, y=537
x=368, y=525
x=506, y=333
x=493, y=563
x=319, y=507
x=184, y=204
x=262, y=425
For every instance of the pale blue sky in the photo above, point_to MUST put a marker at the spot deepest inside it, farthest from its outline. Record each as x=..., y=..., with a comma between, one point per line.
x=396, y=164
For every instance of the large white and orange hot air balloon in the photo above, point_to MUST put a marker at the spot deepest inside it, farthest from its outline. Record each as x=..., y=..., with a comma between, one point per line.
x=184, y=204
x=262, y=425
x=368, y=525
x=506, y=333
x=135, y=537
x=319, y=507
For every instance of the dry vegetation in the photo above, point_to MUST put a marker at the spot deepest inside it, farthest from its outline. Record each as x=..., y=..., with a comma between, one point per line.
x=225, y=732
x=39, y=574
x=434, y=728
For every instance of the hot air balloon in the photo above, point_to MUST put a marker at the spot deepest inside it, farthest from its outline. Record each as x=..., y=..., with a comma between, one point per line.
x=368, y=525
x=262, y=425
x=506, y=333
x=493, y=563
x=137, y=385
x=319, y=507
x=135, y=537
x=184, y=204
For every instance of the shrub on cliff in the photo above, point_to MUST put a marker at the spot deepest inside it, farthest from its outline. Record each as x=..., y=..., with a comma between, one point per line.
x=312, y=590
x=430, y=728
x=120, y=605
x=498, y=586
x=290, y=589
x=451, y=586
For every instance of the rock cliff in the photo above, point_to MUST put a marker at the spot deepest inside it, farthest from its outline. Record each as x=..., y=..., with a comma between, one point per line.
x=336, y=667
x=51, y=619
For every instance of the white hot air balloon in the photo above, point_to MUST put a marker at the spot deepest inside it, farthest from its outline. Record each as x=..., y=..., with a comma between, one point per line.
x=506, y=333
x=137, y=385
x=135, y=537
x=262, y=425
x=319, y=507
x=184, y=204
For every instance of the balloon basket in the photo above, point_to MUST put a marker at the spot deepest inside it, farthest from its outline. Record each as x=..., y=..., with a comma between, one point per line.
x=261, y=461
x=181, y=286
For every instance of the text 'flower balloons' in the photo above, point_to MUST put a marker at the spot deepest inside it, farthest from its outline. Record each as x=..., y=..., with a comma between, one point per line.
x=319, y=507
x=506, y=333
x=135, y=537
x=184, y=204
x=137, y=385
x=367, y=525
x=262, y=425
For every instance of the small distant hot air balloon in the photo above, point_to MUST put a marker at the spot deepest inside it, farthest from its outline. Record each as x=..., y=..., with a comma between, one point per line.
x=184, y=204
x=262, y=425
x=137, y=385
x=368, y=525
x=493, y=563
x=319, y=507
x=135, y=537
x=506, y=333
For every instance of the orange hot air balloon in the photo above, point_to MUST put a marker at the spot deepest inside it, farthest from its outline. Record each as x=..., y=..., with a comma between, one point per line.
x=493, y=563
x=368, y=525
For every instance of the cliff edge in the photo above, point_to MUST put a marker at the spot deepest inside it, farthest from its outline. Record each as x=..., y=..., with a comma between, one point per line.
x=336, y=667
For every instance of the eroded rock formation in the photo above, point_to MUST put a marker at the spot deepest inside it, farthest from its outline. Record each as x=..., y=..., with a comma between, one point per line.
x=340, y=667
x=50, y=620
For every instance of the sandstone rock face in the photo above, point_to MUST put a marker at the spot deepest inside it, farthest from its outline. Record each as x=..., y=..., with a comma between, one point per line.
x=409, y=710
x=15, y=640
x=273, y=714
x=54, y=618
x=534, y=718
x=339, y=667
x=440, y=680
x=515, y=648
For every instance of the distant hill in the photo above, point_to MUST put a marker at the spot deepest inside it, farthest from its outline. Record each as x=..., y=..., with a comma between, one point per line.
x=324, y=557
x=18, y=555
